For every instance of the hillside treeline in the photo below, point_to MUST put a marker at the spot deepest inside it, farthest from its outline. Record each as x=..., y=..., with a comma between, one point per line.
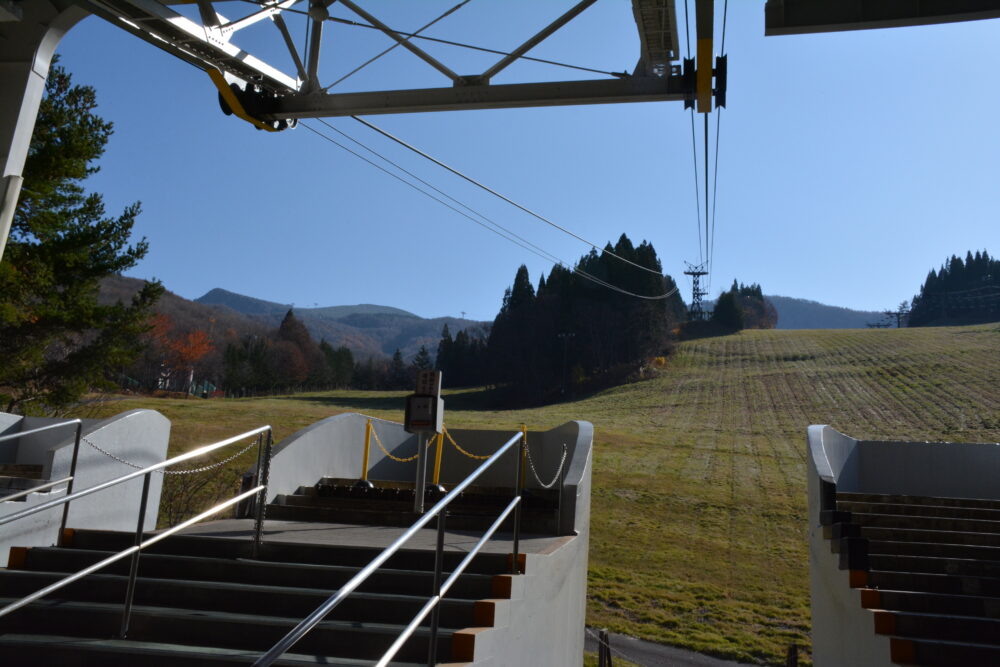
x=960, y=292
x=571, y=333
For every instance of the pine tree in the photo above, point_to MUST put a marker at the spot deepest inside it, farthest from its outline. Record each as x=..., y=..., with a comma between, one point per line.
x=56, y=340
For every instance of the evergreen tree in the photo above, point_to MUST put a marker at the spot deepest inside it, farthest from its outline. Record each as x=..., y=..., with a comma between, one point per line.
x=728, y=315
x=56, y=340
x=422, y=360
x=399, y=378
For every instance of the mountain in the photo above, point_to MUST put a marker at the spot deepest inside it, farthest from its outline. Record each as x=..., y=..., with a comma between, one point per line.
x=805, y=314
x=368, y=329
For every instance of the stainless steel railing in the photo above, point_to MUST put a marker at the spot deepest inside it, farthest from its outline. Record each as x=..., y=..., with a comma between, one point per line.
x=264, y=443
x=439, y=589
x=72, y=466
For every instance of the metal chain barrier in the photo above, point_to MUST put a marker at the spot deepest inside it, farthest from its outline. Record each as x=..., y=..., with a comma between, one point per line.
x=385, y=451
x=189, y=471
x=534, y=471
x=469, y=454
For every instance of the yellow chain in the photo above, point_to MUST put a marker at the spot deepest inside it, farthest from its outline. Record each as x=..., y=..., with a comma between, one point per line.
x=386, y=452
x=471, y=456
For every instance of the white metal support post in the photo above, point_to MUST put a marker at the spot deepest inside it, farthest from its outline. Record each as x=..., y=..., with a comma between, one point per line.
x=27, y=43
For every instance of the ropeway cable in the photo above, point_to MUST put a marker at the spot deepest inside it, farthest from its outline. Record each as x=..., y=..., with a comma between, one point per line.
x=395, y=44
x=505, y=233
x=497, y=194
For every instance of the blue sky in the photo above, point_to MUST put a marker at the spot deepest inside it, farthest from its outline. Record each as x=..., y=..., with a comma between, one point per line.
x=850, y=163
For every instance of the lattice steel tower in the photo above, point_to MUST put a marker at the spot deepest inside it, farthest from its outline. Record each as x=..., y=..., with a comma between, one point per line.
x=696, y=271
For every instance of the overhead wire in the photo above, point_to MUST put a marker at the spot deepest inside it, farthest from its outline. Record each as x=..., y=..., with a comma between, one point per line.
x=718, y=124
x=501, y=231
x=448, y=42
x=394, y=45
x=493, y=192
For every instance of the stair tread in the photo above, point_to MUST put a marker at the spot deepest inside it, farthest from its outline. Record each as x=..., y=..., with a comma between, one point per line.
x=223, y=586
x=228, y=616
x=130, y=646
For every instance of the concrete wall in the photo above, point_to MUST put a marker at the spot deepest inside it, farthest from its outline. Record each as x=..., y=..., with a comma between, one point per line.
x=942, y=469
x=842, y=631
x=543, y=623
x=334, y=447
x=139, y=436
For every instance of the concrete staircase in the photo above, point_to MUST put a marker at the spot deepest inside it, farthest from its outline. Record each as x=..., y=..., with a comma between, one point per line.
x=203, y=601
x=927, y=568
x=391, y=504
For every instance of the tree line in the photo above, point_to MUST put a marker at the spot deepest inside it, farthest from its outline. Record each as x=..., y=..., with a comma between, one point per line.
x=960, y=292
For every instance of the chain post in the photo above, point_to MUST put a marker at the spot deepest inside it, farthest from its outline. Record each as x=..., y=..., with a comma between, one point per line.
x=524, y=453
x=134, y=567
x=263, y=472
x=518, y=493
x=69, y=485
x=368, y=448
x=437, y=459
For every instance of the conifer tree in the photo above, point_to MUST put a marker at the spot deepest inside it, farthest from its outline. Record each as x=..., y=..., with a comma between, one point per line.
x=56, y=340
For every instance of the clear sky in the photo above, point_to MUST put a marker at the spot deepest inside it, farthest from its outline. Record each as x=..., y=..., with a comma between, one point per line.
x=850, y=163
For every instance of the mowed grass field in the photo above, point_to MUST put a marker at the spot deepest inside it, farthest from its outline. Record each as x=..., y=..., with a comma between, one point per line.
x=699, y=501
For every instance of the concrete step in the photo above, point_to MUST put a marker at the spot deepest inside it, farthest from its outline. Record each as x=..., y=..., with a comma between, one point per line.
x=65, y=651
x=942, y=511
x=463, y=505
x=289, y=552
x=931, y=583
x=378, y=517
x=329, y=577
x=924, y=523
x=243, y=632
x=938, y=626
x=942, y=550
x=930, y=653
x=874, y=533
x=955, y=566
x=931, y=603
x=285, y=601
x=918, y=500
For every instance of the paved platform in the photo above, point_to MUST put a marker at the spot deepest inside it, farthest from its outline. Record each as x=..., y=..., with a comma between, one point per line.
x=343, y=534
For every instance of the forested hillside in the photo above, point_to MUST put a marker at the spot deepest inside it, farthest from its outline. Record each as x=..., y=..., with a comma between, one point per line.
x=960, y=292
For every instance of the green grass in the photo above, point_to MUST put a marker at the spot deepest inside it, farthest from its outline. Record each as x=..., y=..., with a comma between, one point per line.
x=698, y=529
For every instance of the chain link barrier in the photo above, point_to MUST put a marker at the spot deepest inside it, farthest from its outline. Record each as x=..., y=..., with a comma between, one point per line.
x=188, y=471
x=385, y=451
x=469, y=454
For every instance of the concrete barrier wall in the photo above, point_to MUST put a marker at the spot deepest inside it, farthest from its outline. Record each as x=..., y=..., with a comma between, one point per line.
x=842, y=631
x=334, y=447
x=944, y=469
x=139, y=436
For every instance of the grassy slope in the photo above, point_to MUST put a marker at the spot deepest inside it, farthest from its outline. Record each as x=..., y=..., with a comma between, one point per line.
x=698, y=529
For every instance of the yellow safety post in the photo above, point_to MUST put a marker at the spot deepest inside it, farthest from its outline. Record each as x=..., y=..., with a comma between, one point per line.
x=437, y=459
x=368, y=446
x=524, y=453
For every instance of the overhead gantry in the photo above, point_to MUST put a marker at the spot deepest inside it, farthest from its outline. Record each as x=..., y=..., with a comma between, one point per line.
x=272, y=100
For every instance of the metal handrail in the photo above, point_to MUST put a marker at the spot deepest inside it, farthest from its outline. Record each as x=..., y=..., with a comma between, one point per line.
x=34, y=489
x=263, y=465
x=72, y=465
x=15, y=436
x=313, y=619
x=132, y=475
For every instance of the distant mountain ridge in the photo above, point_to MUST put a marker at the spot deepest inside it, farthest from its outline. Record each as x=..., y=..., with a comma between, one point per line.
x=794, y=313
x=249, y=305
x=368, y=329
